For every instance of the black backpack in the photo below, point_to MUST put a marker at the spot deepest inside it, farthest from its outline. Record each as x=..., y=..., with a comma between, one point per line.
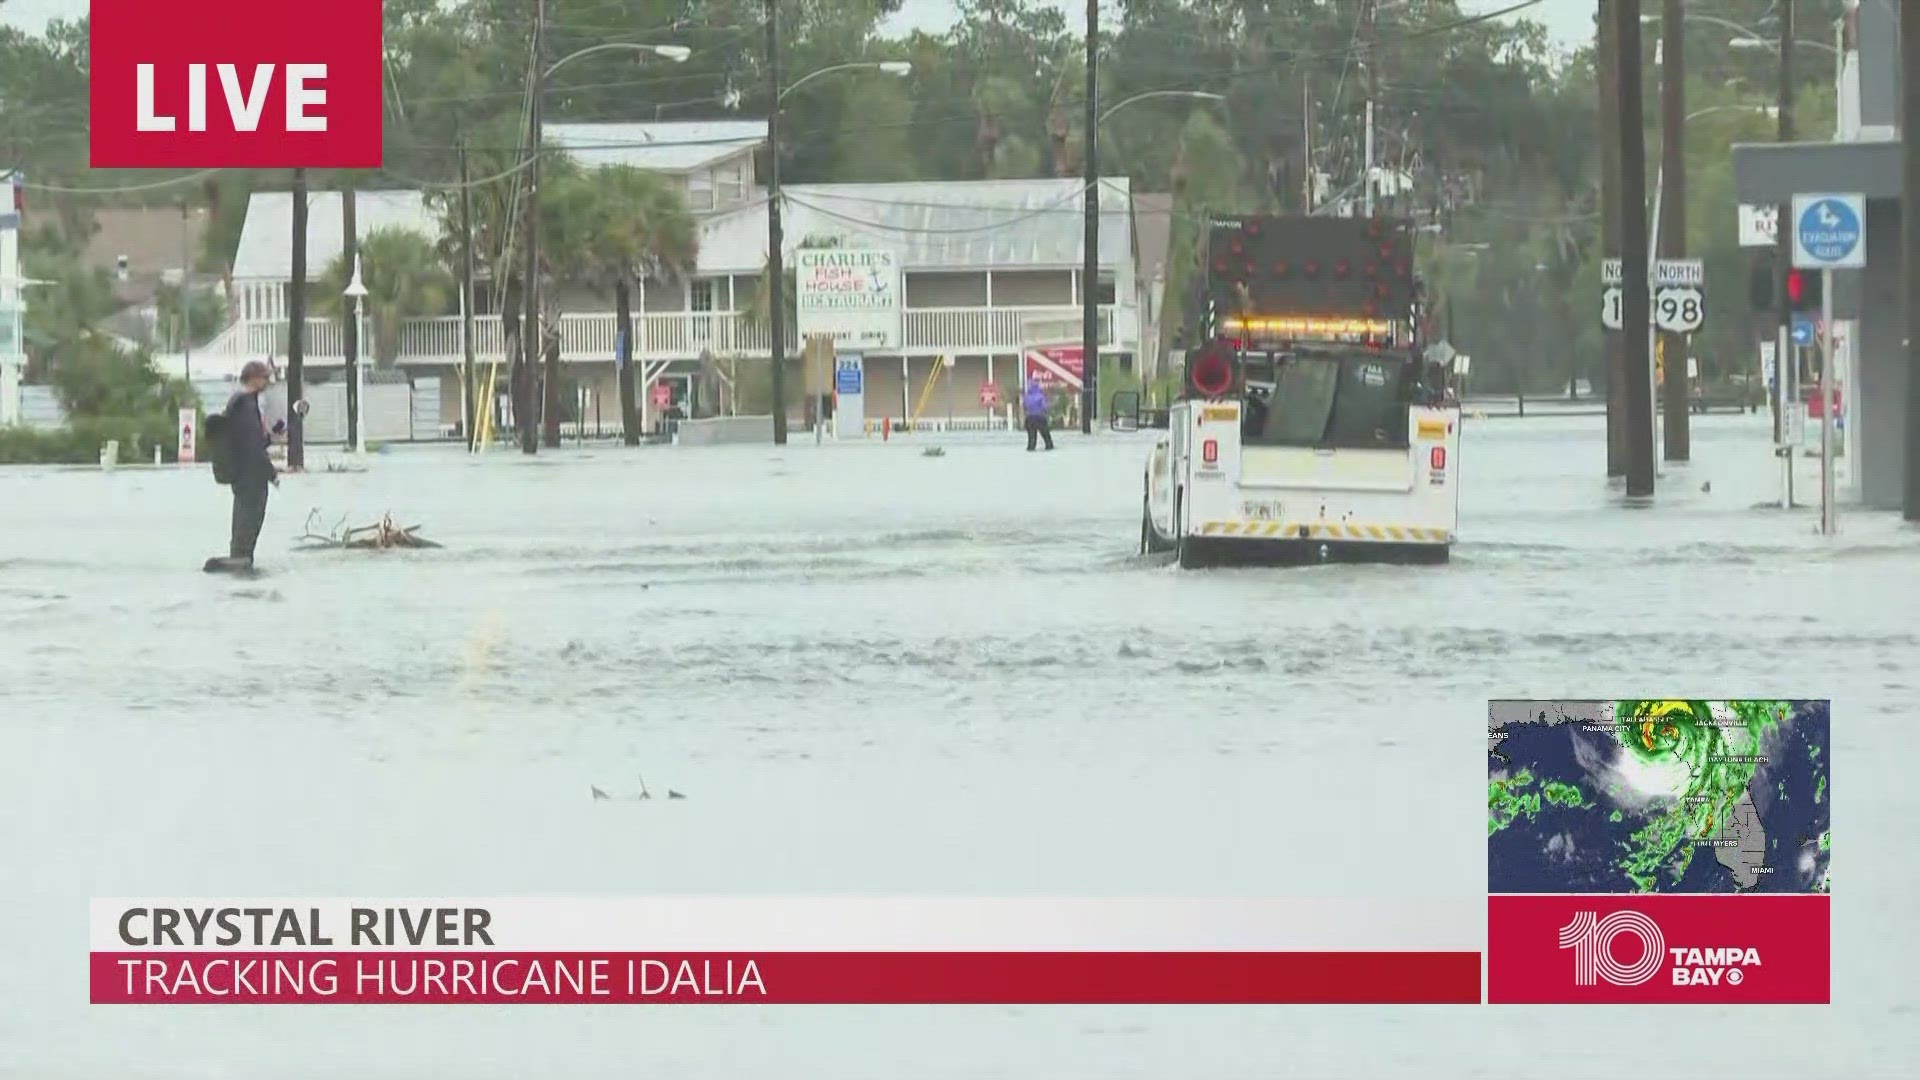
x=217, y=440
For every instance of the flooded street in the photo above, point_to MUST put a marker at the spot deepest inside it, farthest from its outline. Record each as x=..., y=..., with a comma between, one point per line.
x=873, y=672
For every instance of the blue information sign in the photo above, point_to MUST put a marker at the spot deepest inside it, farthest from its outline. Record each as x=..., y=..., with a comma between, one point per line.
x=1828, y=231
x=1803, y=331
x=847, y=377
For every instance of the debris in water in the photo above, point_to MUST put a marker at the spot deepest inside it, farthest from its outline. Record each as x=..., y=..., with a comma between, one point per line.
x=645, y=795
x=380, y=535
x=934, y=451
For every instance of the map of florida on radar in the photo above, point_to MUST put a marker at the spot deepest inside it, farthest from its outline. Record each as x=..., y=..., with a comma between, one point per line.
x=1658, y=796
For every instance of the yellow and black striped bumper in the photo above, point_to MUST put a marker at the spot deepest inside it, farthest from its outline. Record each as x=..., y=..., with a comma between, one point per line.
x=1321, y=530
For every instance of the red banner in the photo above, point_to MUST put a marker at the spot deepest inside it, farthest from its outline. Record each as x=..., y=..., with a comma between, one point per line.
x=201, y=84
x=1763, y=949
x=1057, y=366
x=768, y=978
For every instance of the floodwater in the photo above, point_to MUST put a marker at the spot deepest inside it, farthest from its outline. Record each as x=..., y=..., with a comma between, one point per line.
x=874, y=672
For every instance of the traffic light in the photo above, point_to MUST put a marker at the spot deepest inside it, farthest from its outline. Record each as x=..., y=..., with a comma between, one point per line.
x=1803, y=290
x=1761, y=283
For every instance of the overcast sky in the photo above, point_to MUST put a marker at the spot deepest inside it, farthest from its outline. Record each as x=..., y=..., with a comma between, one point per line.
x=1570, y=21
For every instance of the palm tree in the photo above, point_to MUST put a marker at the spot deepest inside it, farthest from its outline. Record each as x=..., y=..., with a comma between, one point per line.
x=404, y=278
x=619, y=225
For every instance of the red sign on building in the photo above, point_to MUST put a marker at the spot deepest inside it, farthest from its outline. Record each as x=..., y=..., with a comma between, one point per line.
x=989, y=395
x=202, y=84
x=662, y=395
x=1057, y=366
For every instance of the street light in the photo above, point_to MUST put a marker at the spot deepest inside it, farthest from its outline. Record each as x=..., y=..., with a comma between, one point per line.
x=1764, y=110
x=1773, y=46
x=676, y=53
x=776, y=267
x=356, y=292
x=896, y=68
x=1199, y=95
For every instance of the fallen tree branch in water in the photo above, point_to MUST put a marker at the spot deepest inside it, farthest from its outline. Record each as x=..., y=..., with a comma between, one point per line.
x=379, y=536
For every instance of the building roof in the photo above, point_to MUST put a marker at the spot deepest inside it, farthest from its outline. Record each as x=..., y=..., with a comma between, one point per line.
x=265, y=249
x=934, y=225
x=670, y=147
x=156, y=242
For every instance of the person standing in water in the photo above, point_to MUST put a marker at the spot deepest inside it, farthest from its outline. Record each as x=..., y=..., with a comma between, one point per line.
x=251, y=469
x=1038, y=424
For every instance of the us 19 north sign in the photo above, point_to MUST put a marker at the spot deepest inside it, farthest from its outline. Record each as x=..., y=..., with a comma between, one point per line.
x=203, y=84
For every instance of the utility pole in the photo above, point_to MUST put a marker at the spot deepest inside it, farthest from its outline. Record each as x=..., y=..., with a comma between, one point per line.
x=530, y=338
x=1090, y=244
x=776, y=265
x=186, y=290
x=1633, y=252
x=1373, y=88
x=1606, y=78
x=1306, y=138
x=350, y=251
x=470, y=387
x=1786, y=365
x=297, y=329
x=1673, y=207
x=1910, y=226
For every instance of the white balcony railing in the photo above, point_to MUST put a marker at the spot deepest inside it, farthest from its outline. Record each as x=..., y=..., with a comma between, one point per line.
x=676, y=335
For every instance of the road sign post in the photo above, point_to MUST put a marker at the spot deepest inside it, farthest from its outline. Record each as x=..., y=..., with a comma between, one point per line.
x=849, y=395
x=1829, y=233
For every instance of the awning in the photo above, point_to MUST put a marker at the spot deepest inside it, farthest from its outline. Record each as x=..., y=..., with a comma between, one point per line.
x=1776, y=172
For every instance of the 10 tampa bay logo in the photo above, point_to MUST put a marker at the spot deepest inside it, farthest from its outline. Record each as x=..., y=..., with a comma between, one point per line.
x=1592, y=940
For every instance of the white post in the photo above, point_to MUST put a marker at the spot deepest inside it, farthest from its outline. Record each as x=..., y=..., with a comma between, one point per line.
x=359, y=387
x=1828, y=526
x=1367, y=177
x=1787, y=446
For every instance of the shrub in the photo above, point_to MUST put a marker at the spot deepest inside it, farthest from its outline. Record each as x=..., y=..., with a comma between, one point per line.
x=80, y=442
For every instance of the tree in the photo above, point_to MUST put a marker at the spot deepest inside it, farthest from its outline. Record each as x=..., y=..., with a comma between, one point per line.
x=641, y=231
x=404, y=278
x=98, y=380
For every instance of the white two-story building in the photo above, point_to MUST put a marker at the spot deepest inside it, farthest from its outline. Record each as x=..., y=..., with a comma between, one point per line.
x=988, y=267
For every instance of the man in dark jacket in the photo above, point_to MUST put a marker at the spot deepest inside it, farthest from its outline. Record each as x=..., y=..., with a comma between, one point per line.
x=253, y=470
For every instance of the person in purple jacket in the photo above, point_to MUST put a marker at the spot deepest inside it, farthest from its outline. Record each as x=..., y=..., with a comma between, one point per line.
x=1038, y=425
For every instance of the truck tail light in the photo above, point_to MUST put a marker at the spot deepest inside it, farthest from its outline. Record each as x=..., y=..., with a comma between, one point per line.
x=1210, y=451
x=1438, y=458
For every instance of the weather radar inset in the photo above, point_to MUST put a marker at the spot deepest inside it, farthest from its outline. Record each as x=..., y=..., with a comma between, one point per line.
x=1658, y=796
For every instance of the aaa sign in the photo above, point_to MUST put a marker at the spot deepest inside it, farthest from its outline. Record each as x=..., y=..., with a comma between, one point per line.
x=203, y=84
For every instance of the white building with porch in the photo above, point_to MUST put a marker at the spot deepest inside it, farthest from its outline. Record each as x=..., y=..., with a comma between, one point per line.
x=986, y=266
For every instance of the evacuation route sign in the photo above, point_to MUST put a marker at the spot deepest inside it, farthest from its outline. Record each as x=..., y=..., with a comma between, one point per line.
x=1829, y=232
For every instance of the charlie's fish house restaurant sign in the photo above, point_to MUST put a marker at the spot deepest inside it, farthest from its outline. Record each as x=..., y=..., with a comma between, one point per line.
x=851, y=296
